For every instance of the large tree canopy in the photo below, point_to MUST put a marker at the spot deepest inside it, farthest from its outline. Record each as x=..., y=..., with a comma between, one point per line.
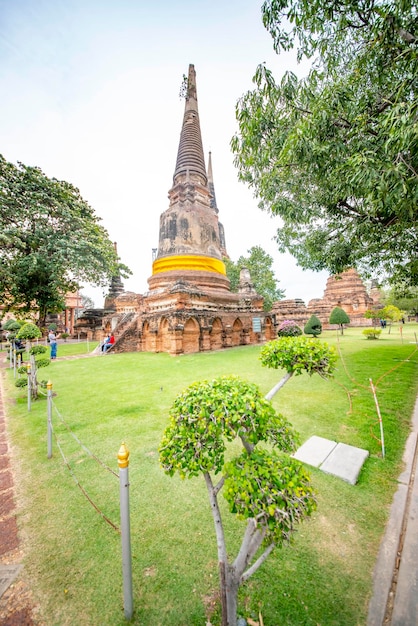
x=335, y=155
x=259, y=263
x=50, y=241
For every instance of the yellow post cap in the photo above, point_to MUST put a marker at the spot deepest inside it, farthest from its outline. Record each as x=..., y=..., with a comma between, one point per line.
x=123, y=456
x=49, y=385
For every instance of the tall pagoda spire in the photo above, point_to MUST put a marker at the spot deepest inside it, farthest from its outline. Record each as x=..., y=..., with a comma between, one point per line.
x=211, y=185
x=189, y=245
x=190, y=157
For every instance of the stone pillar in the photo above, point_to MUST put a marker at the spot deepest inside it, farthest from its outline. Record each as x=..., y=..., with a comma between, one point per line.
x=205, y=339
x=177, y=340
x=72, y=321
x=227, y=337
x=66, y=321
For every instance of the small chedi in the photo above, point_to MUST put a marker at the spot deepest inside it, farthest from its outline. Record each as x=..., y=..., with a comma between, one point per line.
x=345, y=290
x=189, y=306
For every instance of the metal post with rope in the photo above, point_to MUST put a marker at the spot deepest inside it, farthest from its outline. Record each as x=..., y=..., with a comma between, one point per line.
x=49, y=418
x=123, y=462
x=28, y=371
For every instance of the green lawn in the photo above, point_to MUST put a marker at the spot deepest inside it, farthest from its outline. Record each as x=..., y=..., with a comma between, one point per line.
x=73, y=556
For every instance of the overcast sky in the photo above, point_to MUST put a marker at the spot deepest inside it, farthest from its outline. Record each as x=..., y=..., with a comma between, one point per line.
x=90, y=94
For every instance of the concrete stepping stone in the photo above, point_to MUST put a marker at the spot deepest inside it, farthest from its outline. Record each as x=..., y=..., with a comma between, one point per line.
x=338, y=459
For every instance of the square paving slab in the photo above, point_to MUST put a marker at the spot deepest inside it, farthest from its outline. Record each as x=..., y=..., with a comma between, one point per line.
x=315, y=450
x=7, y=575
x=338, y=459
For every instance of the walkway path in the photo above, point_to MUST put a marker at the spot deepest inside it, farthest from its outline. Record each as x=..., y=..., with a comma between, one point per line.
x=15, y=599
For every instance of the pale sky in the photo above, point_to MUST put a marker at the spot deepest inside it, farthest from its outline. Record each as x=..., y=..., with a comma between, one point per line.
x=90, y=94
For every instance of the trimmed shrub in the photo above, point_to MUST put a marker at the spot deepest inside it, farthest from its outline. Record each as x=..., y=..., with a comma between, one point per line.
x=289, y=328
x=340, y=317
x=21, y=382
x=372, y=333
x=38, y=349
x=313, y=326
x=29, y=331
x=42, y=363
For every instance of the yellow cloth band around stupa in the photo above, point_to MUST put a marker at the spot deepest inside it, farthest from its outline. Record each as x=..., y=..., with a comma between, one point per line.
x=192, y=262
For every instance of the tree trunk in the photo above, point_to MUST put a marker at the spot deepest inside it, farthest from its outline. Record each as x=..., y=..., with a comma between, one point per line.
x=228, y=601
x=232, y=586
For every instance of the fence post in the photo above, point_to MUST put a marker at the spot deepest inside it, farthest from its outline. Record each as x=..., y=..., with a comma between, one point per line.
x=382, y=436
x=123, y=462
x=14, y=363
x=49, y=420
x=11, y=356
x=29, y=386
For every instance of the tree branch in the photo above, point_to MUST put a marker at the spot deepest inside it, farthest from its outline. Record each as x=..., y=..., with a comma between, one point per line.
x=250, y=571
x=279, y=385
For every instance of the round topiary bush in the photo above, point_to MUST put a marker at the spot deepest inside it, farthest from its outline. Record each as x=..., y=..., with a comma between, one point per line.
x=288, y=328
x=38, y=349
x=313, y=326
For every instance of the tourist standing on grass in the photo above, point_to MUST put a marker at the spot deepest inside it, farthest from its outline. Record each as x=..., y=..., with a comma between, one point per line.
x=53, y=343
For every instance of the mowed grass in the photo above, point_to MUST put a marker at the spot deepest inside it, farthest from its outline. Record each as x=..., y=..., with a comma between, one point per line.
x=73, y=555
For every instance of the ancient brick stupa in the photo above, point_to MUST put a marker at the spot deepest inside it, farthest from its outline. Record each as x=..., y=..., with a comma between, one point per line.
x=345, y=290
x=189, y=306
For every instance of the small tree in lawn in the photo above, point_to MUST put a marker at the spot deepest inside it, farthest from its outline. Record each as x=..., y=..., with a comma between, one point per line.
x=29, y=332
x=340, y=317
x=297, y=355
x=313, y=326
x=262, y=485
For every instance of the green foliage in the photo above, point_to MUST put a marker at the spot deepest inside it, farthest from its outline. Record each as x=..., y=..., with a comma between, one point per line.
x=50, y=240
x=391, y=312
x=259, y=264
x=338, y=316
x=405, y=298
x=373, y=314
x=208, y=414
x=272, y=488
x=42, y=363
x=372, y=333
x=313, y=326
x=38, y=349
x=52, y=327
x=29, y=331
x=21, y=382
x=288, y=328
x=12, y=325
x=299, y=354
x=335, y=154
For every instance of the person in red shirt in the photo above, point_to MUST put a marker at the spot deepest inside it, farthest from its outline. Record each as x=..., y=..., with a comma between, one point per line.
x=109, y=343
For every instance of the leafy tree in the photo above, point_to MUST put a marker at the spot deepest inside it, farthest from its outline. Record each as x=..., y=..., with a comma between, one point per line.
x=297, y=355
x=335, y=154
x=259, y=263
x=340, y=317
x=313, y=326
x=373, y=314
x=50, y=240
x=31, y=374
x=87, y=302
x=406, y=299
x=262, y=485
